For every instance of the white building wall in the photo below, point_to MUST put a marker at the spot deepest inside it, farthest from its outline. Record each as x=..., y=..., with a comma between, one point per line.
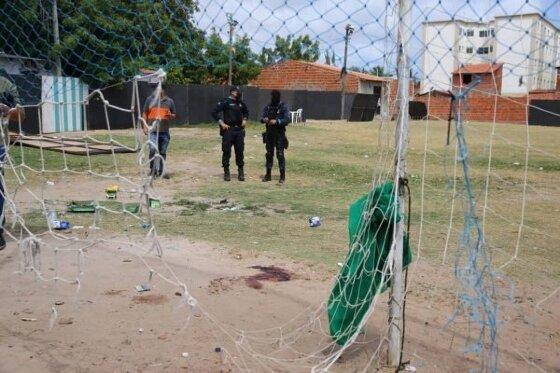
x=513, y=46
x=438, y=56
x=528, y=46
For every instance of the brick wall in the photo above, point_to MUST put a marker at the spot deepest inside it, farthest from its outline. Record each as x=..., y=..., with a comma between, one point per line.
x=482, y=106
x=489, y=82
x=298, y=75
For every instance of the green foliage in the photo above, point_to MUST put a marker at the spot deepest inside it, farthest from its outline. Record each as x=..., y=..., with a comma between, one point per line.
x=291, y=48
x=245, y=65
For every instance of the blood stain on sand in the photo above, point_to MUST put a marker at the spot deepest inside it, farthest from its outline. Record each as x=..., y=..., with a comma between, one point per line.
x=268, y=273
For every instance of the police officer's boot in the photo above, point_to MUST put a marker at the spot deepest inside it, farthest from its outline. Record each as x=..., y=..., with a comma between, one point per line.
x=282, y=176
x=227, y=176
x=240, y=174
x=268, y=175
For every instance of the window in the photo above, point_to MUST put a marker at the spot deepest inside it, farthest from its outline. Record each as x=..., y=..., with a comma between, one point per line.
x=483, y=33
x=469, y=50
x=466, y=79
x=492, y=32
x=469, y=32
x=482, y=50
x=491, y=49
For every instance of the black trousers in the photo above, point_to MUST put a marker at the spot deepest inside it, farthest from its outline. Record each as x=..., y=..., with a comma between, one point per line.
x=235, y=137
x=275, y=140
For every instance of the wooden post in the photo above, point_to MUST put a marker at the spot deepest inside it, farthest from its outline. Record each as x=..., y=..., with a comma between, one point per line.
x=401, y=140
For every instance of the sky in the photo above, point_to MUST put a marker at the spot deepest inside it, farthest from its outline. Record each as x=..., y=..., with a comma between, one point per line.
x=373, y=41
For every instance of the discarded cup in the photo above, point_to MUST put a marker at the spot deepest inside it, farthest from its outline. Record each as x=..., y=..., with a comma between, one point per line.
x=142, y=288
x=315, y=222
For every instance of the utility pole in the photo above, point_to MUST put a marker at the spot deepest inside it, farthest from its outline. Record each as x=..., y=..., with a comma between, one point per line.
x=343, y=73
x=56, y=37
x=401, y=139
x=232, y=23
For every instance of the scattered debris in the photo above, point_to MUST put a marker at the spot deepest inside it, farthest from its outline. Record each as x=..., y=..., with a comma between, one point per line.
x=58, y=303
x=114, y=292
x=51, y=183
x=28, y=319
x=154, y=203
x=409, y=368
x=221, y=284
x=315, y=222
x=217, y=349
x=232, y=208
x=163, y=336
x=111, y=191
x=178, y=293
x=223, y=201
x=185, y=354
x=142, y=288
x=150, y=299
x=60, y=225
x=127, y=260
x=340, y=264
x=268, y=273
x=140, y=330
x=66, y=321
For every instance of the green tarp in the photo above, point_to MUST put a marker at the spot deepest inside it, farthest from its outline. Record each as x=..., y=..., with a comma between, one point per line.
x=371, y=222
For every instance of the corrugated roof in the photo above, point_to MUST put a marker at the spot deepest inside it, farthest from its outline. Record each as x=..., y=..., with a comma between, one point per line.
x=478, y=68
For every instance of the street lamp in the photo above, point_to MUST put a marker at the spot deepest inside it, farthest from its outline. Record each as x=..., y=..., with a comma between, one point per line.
x=349, y=31
x=232, y=23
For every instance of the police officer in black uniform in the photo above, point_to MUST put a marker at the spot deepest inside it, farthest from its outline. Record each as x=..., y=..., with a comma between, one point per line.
x=275, y=117
x=232, y=114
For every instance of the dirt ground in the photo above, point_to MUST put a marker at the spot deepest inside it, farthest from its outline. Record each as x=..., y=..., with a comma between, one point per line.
x=106, y=325
x=109, y=326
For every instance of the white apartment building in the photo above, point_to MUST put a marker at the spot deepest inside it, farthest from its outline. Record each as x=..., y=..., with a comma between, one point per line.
x=527, y=44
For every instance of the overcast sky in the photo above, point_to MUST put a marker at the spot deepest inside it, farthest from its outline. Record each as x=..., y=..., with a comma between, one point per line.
x=373, y=21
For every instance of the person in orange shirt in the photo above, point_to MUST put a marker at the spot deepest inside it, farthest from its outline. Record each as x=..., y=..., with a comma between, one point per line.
x=158, y=110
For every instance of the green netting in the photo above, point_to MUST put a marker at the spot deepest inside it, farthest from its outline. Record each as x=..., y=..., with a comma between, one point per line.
x=371, y=221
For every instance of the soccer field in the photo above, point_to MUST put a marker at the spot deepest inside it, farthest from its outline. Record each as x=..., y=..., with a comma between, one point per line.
x=515, y=171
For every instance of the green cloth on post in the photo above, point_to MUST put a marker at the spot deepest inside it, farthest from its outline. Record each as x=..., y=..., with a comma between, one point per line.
x=371, y=221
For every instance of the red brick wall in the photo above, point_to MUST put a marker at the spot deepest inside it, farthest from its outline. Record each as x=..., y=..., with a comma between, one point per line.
x=489, y=82
x=298, y=75
x=484, y=106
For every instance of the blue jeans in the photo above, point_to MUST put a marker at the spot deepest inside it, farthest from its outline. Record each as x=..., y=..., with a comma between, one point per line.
x=2, y=159
x=159, y=141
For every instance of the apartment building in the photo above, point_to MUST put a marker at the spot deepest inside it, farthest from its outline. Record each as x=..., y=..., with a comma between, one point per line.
x=527, y=45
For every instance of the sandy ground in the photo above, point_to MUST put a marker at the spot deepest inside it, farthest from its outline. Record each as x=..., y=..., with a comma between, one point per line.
x=109, y=326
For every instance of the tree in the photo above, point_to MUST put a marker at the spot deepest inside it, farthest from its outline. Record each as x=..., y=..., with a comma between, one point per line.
x=245, y=64
x=292, y=48
x=327, y=58
x=376, y=70
x=106, y=41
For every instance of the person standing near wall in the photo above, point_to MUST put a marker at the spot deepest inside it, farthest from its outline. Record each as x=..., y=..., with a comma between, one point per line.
x=231, y=113
x=275, y=116
x=158, y=110
x=8, y=112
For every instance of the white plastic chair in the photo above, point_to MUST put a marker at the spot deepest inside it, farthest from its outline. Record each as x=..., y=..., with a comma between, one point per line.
x=297, y=116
